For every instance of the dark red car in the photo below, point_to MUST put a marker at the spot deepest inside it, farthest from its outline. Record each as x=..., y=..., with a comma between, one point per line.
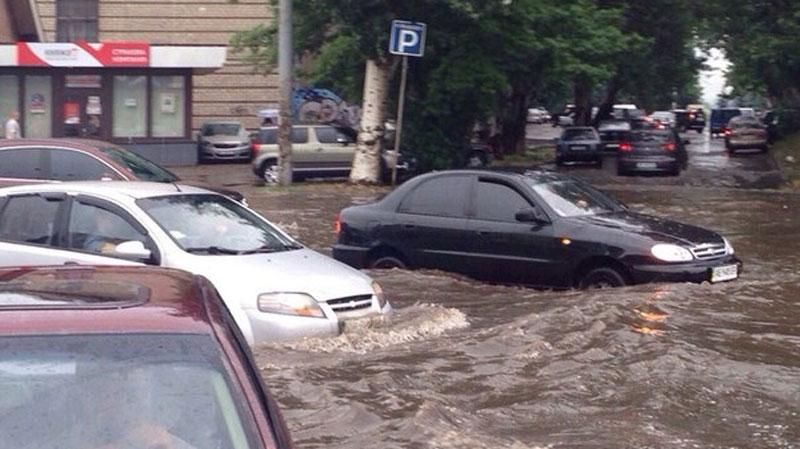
x=114, y=357
x=26, y=161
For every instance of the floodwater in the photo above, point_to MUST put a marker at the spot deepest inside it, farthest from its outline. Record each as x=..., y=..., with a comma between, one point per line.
x=463, y=364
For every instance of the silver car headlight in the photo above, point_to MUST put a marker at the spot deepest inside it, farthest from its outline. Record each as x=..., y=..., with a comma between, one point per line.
x=378, y=291
x=728, y=247
x=297, y=304
x=671, y=253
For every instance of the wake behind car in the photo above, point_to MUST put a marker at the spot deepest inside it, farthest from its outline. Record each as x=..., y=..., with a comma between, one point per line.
x=126, y=358
x=579, y=144
x=276, y=288
x=652, y=151
x=538, y=228
x=30, y=161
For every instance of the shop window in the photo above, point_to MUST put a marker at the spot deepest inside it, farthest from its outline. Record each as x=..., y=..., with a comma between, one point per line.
x=38, y=106
x=167, y=105
x=9, y=97
x=76, y=20
x=130, y=106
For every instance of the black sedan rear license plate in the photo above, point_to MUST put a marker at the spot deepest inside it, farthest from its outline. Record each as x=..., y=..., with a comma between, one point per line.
x=578, y=147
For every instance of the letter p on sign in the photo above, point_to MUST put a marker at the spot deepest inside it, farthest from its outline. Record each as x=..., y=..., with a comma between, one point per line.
x=407, y=38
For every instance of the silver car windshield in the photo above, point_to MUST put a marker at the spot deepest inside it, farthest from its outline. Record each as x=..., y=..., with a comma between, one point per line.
x=575, y=199
x=213, y=224
x=92, y=391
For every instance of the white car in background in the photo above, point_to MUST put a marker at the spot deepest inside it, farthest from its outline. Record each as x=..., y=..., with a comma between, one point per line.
x=276, y=288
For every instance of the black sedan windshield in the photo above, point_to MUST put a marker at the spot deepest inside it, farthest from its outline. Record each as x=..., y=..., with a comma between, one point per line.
x=575, y=199
x=213, y=224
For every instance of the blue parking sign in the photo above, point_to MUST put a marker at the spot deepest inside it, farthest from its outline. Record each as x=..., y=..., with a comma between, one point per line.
x=407, y=38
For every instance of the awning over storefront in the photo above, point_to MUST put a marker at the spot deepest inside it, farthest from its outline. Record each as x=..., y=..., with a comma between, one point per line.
x=110, y=54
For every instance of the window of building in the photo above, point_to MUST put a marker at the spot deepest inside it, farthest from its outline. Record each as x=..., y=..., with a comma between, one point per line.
x=38, y=106
x=167, y=106
x=9, y=96
x=76, y=20
x=130, y=106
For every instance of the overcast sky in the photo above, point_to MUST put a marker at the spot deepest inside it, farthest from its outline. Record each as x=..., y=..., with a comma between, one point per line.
x=713, y=81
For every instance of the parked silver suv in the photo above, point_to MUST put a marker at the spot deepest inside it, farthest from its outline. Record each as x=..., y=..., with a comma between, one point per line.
x=317, y=150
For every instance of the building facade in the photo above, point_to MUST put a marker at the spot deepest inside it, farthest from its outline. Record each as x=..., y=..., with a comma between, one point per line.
x=145, y=74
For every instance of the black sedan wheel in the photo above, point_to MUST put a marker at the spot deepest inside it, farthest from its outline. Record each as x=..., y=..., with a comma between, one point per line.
x=603, y=277
x=386, y=263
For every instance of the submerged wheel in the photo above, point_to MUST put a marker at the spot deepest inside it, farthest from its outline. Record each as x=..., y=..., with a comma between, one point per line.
x=269, y=172
x=387, y=262
x=603, y=277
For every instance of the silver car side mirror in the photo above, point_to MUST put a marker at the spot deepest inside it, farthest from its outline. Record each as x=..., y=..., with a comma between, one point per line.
x=133, y=250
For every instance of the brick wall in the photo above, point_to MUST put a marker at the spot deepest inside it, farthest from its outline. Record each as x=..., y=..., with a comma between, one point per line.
x=235, y=91
x=6, y=30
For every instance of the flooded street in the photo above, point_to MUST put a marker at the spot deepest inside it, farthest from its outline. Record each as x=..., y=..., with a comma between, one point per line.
x=469, y=365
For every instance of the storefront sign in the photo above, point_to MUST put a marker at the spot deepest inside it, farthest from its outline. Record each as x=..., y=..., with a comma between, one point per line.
x=83, y=81
x=93, y=106
x=82, y=54
x=37, y=104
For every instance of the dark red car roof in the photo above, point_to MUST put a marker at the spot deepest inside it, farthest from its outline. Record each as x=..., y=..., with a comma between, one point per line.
x=173, y=301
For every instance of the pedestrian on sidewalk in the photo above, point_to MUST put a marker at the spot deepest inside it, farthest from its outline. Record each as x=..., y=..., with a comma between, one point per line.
x=12, y=126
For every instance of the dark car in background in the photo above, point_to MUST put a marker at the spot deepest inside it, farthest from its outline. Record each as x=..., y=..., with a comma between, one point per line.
x=652, y=151
x=32, y=161
x=746, y=132
x=579, y=144
x=697, y=120
x=538, y=228
x=95, y=357
x=720, y=118
x=612, y=132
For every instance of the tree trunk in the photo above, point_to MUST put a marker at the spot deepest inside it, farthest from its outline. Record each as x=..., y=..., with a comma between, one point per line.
x=606, y=108
x=583, y=102
x=367, y=161
x=513, y=136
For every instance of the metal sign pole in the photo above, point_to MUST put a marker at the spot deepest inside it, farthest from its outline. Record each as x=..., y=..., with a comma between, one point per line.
x=399, y=131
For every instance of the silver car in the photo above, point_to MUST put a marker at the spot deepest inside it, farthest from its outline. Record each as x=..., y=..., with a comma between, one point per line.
x=223, y=140
x=275, y=288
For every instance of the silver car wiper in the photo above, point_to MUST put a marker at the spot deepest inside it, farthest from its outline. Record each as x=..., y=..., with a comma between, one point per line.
x=212, y=250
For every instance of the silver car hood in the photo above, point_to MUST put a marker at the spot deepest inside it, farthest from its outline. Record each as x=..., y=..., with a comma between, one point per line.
x=243, y=278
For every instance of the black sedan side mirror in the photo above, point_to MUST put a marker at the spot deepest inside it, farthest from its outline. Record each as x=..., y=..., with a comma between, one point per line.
x=529, y=216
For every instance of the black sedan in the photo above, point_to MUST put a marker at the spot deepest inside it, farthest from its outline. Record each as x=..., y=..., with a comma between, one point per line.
x=652, y=151
x=579, y=144
x=539, y=229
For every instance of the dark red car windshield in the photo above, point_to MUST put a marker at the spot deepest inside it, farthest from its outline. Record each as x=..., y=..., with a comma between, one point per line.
x=89, y=391
x=144, y=169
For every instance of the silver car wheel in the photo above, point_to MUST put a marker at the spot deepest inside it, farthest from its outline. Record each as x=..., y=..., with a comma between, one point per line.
x=270, y=172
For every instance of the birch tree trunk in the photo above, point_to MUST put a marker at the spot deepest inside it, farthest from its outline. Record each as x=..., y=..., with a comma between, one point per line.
x=367, y=161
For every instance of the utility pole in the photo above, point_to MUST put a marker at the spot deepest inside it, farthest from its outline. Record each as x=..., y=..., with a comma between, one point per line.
x=285, y=62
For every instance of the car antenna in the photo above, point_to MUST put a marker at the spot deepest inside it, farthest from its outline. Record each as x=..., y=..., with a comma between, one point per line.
x=177, y=187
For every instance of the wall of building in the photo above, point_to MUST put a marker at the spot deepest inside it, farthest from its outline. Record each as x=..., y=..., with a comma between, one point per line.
x=6, y=29
x=234, y=92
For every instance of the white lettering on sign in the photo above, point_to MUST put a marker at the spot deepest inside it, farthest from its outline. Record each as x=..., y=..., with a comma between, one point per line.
x=408, y=40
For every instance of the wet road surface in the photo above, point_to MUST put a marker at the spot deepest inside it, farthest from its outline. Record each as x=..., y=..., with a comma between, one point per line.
x=470, y=365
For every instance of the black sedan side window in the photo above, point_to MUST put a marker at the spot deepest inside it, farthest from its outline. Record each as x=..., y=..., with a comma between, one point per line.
x=443, y=196
x=498, y=202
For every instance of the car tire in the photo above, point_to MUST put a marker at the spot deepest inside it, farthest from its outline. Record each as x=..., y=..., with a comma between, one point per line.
x=699, y=131
x=386, y=262
x=269, y=172
x=764, y=148
x=603, y=277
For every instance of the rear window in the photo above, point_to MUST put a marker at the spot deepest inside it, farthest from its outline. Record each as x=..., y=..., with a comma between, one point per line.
x=648, y=137
x=579, y=134
x=745, y=122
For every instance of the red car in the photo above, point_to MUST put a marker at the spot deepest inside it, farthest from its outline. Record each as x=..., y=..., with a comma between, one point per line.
x=26, y=161
x=114, y=357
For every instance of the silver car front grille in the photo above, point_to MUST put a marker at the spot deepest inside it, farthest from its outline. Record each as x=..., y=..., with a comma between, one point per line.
x=350, y=303
x=708, y=251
